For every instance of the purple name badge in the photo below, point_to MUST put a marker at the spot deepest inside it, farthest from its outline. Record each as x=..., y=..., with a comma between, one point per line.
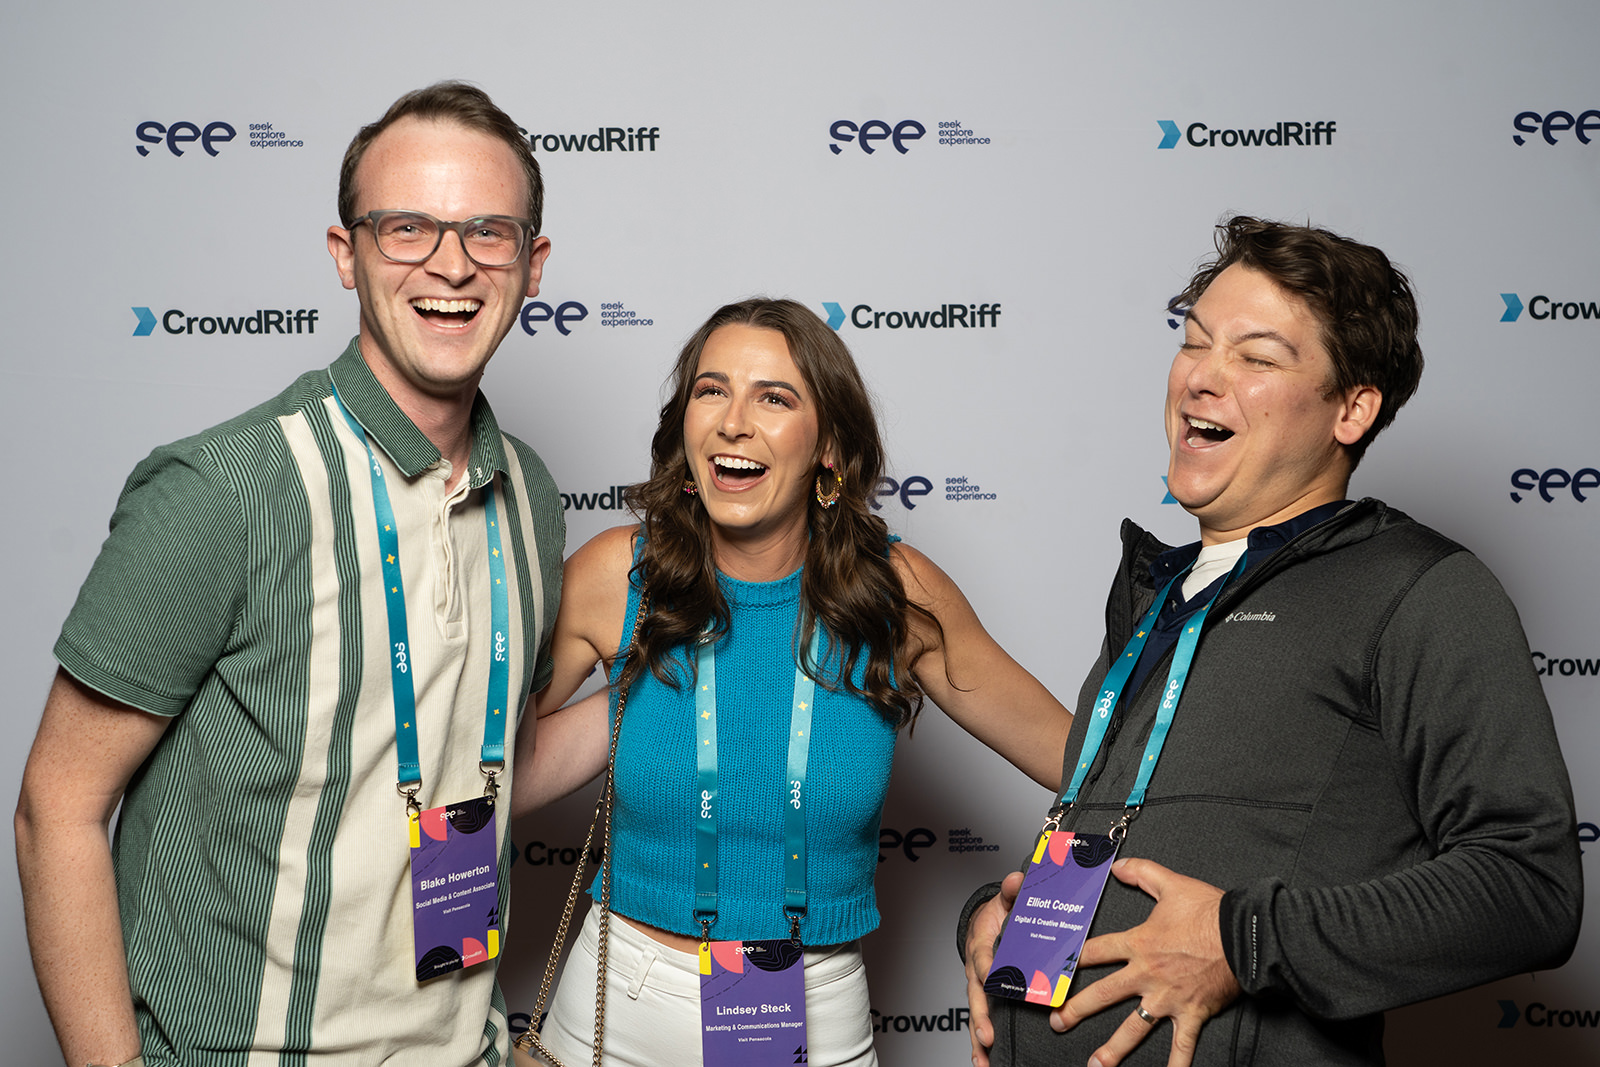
x=752, y=1003
x=1039, y=947
x=455, y=895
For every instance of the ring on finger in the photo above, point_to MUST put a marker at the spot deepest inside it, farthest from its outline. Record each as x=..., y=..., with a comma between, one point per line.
x=1146, y=1016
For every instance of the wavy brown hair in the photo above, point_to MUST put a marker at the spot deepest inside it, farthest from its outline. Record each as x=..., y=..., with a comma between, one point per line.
x=849, y=585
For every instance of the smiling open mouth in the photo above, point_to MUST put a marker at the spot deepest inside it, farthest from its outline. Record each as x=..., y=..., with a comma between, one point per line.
x=1203, y=432
x=736, y=471
x=452, y=313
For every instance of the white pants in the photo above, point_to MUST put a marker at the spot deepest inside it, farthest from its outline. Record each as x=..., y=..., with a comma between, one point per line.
x=653, y=1003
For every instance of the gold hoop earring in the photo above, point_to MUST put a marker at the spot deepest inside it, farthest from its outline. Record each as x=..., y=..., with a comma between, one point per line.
x=689, y=488
x=831, y=497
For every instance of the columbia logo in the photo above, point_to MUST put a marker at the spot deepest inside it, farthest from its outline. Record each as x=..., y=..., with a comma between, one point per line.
x=1252, y=616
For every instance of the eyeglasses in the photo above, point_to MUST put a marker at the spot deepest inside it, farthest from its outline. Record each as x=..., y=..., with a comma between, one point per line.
x=412, y=236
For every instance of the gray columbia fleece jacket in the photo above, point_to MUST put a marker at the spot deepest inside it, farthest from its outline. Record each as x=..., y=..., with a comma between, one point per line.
x=1364, y=759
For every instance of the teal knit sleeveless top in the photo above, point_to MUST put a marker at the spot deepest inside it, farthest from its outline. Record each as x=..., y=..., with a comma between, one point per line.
x=657, y=798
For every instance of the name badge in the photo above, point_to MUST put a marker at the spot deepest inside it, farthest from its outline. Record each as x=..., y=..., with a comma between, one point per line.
x=1049, y=923
x=752, y=1003
x=455, y=893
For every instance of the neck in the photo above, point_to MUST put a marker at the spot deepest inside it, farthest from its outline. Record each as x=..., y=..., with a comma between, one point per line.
x=759, y=558
x=1210, y=535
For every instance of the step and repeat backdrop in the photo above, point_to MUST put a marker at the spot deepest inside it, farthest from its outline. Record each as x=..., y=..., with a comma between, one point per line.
x=992, y=205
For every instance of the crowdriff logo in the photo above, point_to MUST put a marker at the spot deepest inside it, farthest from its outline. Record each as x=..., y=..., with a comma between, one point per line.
x=1278, y=135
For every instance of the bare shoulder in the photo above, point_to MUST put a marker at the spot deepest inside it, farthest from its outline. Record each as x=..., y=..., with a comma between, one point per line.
x=926, y=584
x=594, y=590
x=600, y=568
x=609, y=544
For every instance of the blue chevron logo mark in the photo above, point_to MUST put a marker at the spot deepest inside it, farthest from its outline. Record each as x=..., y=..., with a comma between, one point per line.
x=1169, y=133
x=1169, y=498
x=835, y=314
x=147, y=322
x=1513, y=308
x=1508, y=1015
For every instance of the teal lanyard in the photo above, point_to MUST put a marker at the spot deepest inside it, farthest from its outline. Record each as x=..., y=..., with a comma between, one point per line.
x=1117, y=679
x=794, y=811
x=400, y=662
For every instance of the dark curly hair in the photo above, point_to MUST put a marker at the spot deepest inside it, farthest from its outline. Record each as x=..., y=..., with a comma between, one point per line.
x=1364, y=303
x=849, y=585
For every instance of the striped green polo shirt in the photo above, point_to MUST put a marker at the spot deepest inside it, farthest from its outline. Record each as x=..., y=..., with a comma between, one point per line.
x=262, y=852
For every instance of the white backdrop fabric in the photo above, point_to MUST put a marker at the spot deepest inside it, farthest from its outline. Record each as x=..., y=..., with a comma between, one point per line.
x=1054, y=168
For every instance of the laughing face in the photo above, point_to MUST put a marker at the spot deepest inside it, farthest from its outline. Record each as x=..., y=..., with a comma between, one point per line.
x=428, y=329
x=750, y=434
x=1256, y=436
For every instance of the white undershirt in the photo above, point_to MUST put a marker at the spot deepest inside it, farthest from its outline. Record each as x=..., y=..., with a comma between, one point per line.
x=1214, y=560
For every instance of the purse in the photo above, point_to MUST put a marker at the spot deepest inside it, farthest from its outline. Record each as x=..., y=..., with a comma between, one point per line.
x=529, y=1041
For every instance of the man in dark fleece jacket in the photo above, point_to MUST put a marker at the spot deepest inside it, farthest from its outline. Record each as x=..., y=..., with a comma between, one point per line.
x=1360, y=802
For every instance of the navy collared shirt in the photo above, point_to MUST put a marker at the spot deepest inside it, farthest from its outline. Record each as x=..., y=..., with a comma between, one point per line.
x=1263, y=541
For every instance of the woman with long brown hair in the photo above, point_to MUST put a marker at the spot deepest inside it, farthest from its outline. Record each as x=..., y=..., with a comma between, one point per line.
x=760, y=618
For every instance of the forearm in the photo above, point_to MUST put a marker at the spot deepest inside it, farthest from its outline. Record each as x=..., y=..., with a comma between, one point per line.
x=70, y=904
x=980, y=896
x=560, y=753
x=1464, y=918
x=86, y=751
x=995, y=700
x=1034, y=737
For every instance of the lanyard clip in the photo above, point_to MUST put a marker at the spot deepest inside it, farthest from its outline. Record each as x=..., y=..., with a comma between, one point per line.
x=1053, y=817
x=491, y=788
x=409, y=791
x=1120, y=831
x=705, y=932
x=794, y=925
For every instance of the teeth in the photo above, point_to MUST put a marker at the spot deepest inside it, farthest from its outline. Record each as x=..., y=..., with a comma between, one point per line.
x=428, y=303
x=1202, y=424
x=740, y=463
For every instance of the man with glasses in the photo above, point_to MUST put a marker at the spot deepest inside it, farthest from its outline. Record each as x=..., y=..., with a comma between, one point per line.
x=299, y=660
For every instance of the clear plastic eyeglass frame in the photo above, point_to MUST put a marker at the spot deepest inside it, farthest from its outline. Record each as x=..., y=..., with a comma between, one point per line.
x=524, y=228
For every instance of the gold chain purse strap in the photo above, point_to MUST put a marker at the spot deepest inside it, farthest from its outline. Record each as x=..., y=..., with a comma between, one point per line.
x=530, y=1039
